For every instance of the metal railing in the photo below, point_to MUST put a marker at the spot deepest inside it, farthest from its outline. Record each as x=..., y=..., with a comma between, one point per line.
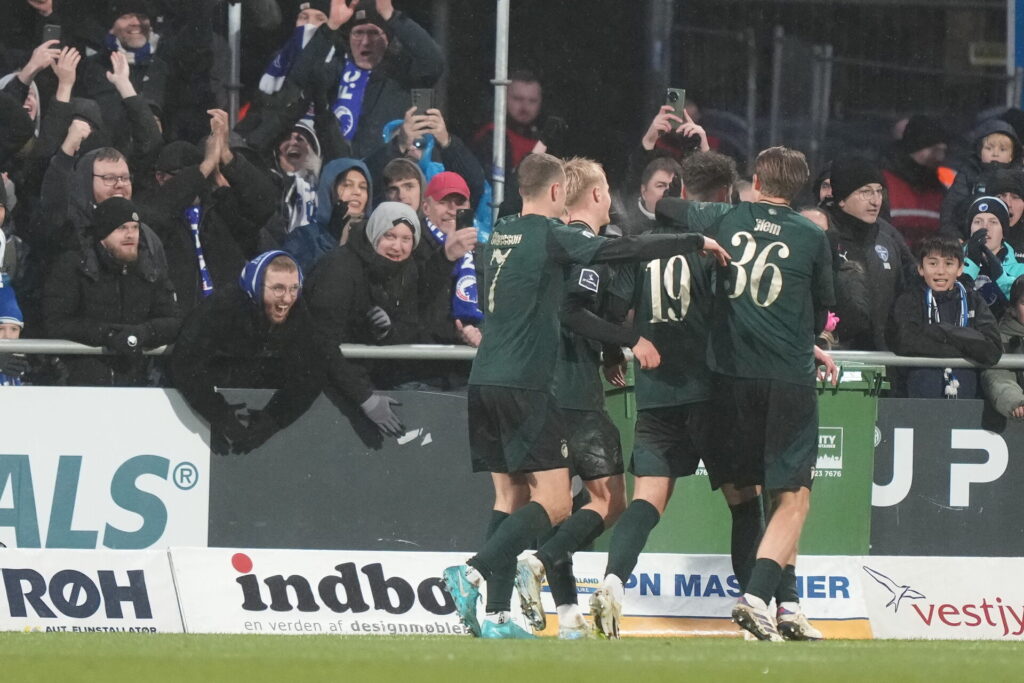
x=1009, y=361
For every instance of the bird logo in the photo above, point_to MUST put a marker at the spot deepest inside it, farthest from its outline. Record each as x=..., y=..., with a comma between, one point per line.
x=898, y=592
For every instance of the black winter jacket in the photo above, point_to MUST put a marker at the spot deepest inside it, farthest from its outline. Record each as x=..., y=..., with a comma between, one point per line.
x=88, y=294
x=887, y=265
x=352, y=279
x=227, y=341
x=418, y=64
x=229, y=229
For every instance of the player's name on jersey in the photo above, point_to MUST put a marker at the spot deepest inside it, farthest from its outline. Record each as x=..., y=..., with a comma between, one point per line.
x=761, y=225
x=500, y=240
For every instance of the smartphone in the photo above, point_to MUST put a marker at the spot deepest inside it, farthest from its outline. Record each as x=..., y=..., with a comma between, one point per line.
x=676, y=98
x=464, y=219
x=422, y=99
x=51, y=32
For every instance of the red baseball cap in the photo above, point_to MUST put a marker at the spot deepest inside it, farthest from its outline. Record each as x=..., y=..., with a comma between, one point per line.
x=446, y=183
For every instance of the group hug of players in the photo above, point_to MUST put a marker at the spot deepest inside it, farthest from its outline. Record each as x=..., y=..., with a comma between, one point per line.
x=725, y=302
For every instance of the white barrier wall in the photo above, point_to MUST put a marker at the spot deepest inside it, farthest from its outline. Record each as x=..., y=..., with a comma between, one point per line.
x=222, y=590
x=88, y=590
x=102, y=468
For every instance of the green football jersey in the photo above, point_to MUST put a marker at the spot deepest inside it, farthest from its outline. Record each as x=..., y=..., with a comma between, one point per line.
x=522, y=292
x=766, y=299
x=672, y=300
x=523, y=289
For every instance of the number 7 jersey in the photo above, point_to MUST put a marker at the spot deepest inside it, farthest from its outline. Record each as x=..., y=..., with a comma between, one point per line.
x=762, y=324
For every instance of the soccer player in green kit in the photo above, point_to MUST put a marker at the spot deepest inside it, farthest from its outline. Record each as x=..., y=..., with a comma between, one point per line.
x=672, y=299
x=770, y=304
x=595, y=449
x=516, y=432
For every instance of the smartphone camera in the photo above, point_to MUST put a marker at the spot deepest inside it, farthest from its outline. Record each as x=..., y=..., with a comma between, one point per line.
x=672, y=97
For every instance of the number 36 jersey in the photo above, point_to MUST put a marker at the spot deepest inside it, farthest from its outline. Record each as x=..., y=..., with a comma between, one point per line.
x=765, y=302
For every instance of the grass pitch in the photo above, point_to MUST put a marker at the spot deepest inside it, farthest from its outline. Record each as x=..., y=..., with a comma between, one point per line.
x=90, y=657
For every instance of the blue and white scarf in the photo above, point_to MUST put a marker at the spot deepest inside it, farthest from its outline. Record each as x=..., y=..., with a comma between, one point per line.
x=465, y=299
x=351, y=91
x=194, y=216
x=273, y=78
x=135, y=55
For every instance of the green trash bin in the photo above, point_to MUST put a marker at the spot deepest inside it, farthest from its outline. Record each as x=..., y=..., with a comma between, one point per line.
x=697, y=520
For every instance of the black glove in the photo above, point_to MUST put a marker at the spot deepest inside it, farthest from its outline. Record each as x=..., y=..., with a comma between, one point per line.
x=378, y=409
x=976, y=245
x=990, y=265
x=552, y=134
x=224, y=432
x=261, y=427
x=13, y=364
x=126, y=340
x=380, y=322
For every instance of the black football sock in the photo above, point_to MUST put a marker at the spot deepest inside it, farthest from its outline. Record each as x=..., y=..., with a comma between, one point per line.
x=764, y=579
x=562, y=582
x=630, y=537
x=512, y=537
x=573, y=534
x=786, y=592
x=497, y=517
x=747, y=529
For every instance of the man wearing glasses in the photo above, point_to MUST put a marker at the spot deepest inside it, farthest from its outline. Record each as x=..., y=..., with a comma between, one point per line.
x=254, y=333
x=365, y=83
x=872, y=261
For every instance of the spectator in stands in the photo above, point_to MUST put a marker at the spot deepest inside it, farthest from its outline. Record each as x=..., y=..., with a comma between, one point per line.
x=991, y=262
x=354, y=68
x=524, y=99
x=13, y=366
x=258, y=333
x=427, y=134
x=372, y=291
x=941, y=318
x=133, y=58
x=1008, y=185
x=660, y=178
x=871, y=258
x=915, y=192
x=1005, y=388
x=454, y=314
x=112, y=292
x=821, y=187
x=995, y=147
x=207, y=210
x=312, y=15
x=404, y=182
x=343, y=198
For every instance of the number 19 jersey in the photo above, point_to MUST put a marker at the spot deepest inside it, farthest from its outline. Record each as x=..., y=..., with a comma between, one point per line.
x=781, y=273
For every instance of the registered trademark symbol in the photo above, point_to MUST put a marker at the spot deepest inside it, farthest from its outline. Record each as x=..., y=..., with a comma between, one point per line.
x=186, y=476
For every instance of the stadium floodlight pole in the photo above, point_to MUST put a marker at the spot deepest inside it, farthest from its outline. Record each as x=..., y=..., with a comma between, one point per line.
x=500, y=83
x=235, y=45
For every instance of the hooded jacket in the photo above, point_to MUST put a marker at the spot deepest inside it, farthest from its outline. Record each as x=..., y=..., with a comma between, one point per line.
x=310, y=242
x=228, y=230
x=1004, y=387
x=887, y=265
x=953, y=216
x=88, y=294
x=227, y=341
x=351, y=280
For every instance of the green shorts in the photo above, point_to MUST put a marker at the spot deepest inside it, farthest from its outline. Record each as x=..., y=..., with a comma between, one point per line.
x=672, y=442
x=594, y=445
x=766, y=431
x=515, y=430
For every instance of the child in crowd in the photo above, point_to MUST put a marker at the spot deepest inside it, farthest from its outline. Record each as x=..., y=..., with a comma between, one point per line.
x=942, y=318
x=991, y=262
x=13, y=366
x=996, y=146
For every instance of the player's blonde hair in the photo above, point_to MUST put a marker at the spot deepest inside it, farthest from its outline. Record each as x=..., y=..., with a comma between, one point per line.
x=581, y=175
x=537, y=172
x=782, y=171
